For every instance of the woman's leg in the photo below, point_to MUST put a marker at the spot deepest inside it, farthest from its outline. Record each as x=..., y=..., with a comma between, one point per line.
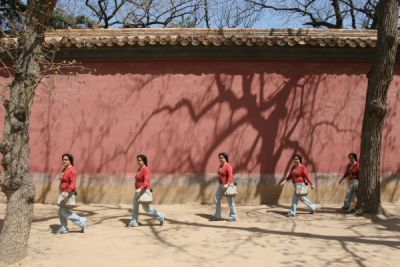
x=348, y=198
x=232, y=209
x=75, y=218
x=135, y=211
x=65, y=213
x=309, y=204
x=153, y=212
x=218, y=197
x=293, y=207
x=63, y=221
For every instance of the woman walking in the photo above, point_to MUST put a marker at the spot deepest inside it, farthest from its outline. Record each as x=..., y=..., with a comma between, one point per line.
x=300, y=179
x=352, y=173
x=225, y=177
x=142, y=185
x=68, y=189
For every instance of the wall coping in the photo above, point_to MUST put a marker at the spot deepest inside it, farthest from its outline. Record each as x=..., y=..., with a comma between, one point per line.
x=82, y=38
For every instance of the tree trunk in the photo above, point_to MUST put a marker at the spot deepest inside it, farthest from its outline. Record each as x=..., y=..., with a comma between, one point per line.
x=379, y=79
x=17, y=182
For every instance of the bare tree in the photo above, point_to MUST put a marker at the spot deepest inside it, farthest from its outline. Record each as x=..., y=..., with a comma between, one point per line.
x=140, y=13
x=9, y=14
x=147, y=13
x=28, y=57
x=379, y=79
x=333, y=14
x=105, y=10
x=229, y=14
x=166, y=13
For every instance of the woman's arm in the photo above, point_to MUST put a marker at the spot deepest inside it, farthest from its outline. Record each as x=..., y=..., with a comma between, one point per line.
x=307, y=177
x=356, y=171
x=285, y=179
x=72, y=180
x=229, y=174
x=147, y=177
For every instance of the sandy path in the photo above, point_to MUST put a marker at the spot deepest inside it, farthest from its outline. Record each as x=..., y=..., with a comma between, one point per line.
x=263, y=236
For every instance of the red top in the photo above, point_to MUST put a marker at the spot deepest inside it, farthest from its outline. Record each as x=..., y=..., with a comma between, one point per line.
x=299, y=175
x=68, y=179
x=143, y=178
x=353, y=172
x=225, y=174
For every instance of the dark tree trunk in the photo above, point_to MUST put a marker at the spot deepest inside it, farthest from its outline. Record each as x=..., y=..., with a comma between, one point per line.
x=379, y=79
x=17, y=182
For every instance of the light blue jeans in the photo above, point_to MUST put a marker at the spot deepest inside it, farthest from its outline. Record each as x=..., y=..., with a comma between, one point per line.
x=231, y=202
x=349, y=196
x=64, y=214
x=147, y=208
x=295, y=200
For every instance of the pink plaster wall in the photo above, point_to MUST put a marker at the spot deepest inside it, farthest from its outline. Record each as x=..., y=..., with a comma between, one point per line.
x=182, y=113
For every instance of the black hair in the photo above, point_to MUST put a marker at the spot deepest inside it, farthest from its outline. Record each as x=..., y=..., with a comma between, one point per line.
x=354, y=155
x=70, y=158
x=225, y=155
x=299, y=157
x=142, y=157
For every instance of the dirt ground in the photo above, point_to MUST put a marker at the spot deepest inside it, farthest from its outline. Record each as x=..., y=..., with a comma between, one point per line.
x=263, y=236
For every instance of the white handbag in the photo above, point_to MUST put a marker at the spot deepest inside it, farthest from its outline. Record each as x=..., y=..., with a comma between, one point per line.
x=68, y=201
x=146, y=197
x=301, y=189
x=231, y=191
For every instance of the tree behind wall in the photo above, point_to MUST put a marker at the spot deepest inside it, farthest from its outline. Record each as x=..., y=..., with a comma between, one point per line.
x=331, y=14
x=28, y=57
x=379, y=79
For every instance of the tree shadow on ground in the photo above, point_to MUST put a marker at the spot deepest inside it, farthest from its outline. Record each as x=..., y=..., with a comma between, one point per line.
x=278, y=212
x=340, y=238
x=205, y=216
x=389, y=224
x=125, y=221
x=324, y=210
x=148, y=219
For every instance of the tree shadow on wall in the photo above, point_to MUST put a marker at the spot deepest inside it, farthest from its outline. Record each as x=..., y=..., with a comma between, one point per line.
x=232, y=103
x=388, y=181
x=275, y=116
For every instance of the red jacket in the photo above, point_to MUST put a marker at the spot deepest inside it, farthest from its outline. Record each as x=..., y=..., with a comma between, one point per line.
x=299, y=175
x=352, y=172
x=68, y=179
x=142, y=179
x=225, y=174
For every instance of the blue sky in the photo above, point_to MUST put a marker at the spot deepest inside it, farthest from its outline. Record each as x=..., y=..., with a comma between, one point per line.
x=271, y=19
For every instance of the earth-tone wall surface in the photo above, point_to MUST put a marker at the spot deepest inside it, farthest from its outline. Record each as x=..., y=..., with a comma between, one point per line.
x=181, y=113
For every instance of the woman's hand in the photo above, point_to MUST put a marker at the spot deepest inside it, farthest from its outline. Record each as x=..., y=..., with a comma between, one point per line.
x=64, y=194
x=226, y=186
x=138, y=190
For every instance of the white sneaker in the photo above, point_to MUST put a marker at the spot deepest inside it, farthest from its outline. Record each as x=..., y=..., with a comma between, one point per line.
x=84, y=225
x=61, y=231
x=162, y=219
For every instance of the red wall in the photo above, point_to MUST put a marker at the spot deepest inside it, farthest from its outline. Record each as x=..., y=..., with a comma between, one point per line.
x=182, y=113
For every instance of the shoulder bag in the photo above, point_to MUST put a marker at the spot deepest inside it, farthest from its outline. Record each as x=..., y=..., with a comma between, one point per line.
x=68, y=201
x=231, y=191
x=301, y=189
x=146, y=197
